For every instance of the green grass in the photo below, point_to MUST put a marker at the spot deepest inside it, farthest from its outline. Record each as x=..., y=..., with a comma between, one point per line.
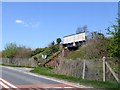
x=10, y=65
x=97, y=84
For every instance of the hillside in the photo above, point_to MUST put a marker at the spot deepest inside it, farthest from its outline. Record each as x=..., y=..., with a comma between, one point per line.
x=43, y=55
x=92, y=50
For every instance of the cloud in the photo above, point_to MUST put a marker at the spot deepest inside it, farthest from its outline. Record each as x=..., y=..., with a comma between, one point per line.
x=28, y=24
x=19, y=21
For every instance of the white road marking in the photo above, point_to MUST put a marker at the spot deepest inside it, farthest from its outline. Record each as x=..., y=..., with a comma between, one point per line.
x=9, y=84
x=68, y=87
x=2, y=84
x=57, y=87
x=32, y=89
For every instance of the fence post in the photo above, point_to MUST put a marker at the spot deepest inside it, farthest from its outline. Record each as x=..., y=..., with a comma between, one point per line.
x=104, y=69
x=83, y=75
x=117, y=79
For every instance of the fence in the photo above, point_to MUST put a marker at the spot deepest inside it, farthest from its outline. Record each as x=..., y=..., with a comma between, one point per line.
x=19, y=62
x=98, y=69
x=106, y=65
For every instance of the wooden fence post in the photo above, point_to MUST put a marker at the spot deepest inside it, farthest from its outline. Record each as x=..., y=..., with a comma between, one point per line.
x=83, y=75
x=104, y=69
x=117, y=79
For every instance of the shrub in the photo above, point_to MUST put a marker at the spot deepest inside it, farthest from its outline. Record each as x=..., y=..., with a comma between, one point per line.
x=14, y=51
x=37, y=51
x=10, y=50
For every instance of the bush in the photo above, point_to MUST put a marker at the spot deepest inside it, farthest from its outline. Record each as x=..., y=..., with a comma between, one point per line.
x=114, y=44
x=51, y=49
x=10, y=50
x=37, y=51
x=14, y=51
x=23, y=52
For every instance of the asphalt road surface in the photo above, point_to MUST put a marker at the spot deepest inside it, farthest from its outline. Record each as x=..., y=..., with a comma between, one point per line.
x=13, y=78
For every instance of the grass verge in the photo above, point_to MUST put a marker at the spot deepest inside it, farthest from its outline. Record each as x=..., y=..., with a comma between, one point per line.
x=97, y=84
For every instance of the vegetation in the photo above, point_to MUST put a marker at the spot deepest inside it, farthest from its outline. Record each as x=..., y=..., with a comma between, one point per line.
x=14, y=51
x=95, y=48
x=98, y=45
x=81, y=29
x=53, y=43
x=23, y=52
x=97, y=84
x=37, y=51
x=58, y=40
x=49, y=58
x=49, y=51
x=10, y=50
x=114, y=45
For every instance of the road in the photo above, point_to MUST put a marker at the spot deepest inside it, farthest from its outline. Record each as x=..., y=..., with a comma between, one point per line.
x=14, y=78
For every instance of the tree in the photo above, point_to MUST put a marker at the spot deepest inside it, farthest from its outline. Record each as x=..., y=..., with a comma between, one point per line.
x=10, y=50
x=14, y=51
x=97, y=35
x=79, y=30
x=23, y=52
x=53, y=43
x=85, y=28
x=82, y=29
x=58, y=40
x=114, y=44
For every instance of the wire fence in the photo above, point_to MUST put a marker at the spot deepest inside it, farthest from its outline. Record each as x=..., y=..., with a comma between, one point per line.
x=99, y=69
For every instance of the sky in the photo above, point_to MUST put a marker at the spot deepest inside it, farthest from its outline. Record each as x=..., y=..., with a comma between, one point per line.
x=37, y=24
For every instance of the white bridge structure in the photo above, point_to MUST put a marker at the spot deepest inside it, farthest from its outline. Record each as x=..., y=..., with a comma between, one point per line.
x=74, y=40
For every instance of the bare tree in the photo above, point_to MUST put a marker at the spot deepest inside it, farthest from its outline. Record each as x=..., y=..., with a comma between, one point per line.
x=23, y=52
x=82, y=29
x=79, y=30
